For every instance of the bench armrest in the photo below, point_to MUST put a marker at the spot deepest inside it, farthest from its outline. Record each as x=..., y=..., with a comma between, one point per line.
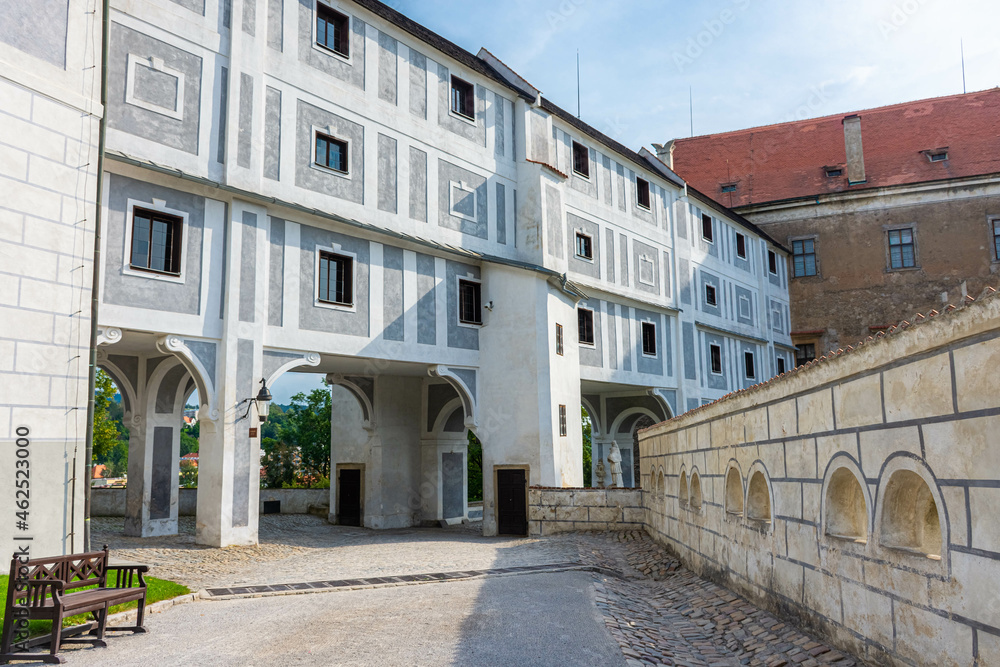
x=37, y=591
x=130, y=575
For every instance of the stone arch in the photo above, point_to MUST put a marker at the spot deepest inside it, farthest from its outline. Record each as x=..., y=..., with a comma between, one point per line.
x=595, y=420
x=459, y=379
x=734, y=489
x=912, y=513
x=759, y=502
x=682, y=488
x=695, y=498
x=629, y=412
x=120, y=378
x=846, y=500
x=446, y=422
x=362, y=388
x=176, y=346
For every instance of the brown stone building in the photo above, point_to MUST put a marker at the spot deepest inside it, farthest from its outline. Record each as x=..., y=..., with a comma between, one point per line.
x=888, y=211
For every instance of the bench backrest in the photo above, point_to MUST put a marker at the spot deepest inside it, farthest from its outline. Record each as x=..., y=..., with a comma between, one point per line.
x=73, y=570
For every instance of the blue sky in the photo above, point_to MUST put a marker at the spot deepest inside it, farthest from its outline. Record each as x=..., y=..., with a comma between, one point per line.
x=747, y=62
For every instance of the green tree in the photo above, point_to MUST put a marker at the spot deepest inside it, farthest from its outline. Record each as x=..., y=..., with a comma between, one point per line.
x=475, y=460
x=307, y=428
x=189, y=442
x=587, y=451
x=189, y=474
x=107, y=430
x=276, y=419
x=279, y=464
x=117, y=460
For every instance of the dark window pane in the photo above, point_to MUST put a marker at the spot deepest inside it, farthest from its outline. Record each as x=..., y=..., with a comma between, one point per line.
x=140, y=241
x=706, y=227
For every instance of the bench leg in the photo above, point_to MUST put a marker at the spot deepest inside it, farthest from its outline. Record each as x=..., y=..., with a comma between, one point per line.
x=140, y=615
x=56, y=636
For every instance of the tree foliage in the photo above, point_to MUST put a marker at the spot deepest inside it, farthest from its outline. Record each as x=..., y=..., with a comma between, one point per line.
x=307, y=428
x=475, y=458
x=587, y=449
x=107, y=431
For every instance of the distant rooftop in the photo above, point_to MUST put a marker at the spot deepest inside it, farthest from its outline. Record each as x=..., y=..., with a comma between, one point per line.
x=914, y=142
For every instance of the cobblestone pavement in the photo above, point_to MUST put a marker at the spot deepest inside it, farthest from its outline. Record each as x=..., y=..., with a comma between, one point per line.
x=658, y=612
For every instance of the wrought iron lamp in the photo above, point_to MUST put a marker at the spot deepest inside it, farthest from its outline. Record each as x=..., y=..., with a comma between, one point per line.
x=263, y=402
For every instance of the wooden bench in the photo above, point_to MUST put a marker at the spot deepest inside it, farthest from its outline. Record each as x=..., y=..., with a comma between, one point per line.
x=56, y=588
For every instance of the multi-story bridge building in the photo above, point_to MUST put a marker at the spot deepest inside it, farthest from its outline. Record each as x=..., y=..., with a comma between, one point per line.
x=330, y=187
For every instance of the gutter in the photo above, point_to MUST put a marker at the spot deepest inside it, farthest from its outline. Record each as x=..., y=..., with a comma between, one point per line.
x=561, y=279
x=95, y=300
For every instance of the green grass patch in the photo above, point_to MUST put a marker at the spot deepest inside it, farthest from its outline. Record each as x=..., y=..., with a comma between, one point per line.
x=156, y=590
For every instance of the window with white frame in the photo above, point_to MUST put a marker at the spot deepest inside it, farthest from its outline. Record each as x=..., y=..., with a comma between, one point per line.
x=750, y=365
x=463, y=98
x=715, y=358
x=331, y=153
x=156, y=241
x=649, y=339
x=559, y=339
x=642, y=193
x=335, y=283
x=581, y=160
x=707, y=232
x=711, y=295
x=470, y=302
x=584, y=246
x=563, y=424
x=902, y=253
x=333, y=30
x=585, y=325
x=741, y=245
x=772, y=262
x=781, y=365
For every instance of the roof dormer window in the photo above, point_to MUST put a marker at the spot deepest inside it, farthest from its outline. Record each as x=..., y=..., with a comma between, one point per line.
x=729, y=187
x=833, y=172
x=936, y=154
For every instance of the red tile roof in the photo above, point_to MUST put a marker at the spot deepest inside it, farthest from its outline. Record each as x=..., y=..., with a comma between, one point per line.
x=785, y=161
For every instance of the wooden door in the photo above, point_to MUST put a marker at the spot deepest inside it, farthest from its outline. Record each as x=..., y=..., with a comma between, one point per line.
x=349, y=495
x=512, y=504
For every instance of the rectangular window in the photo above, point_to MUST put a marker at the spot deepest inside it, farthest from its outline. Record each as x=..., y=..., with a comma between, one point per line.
x=559, y=339
x=156, y=242
x=804, y=353
x=642, y=192
x=584, y=246
x=649, y=339
x=563, y=430
x=336, y=279
x=901, y=255
x=585, y=324
x=772, y=262
x=834, y=172
x=781, y=365
x=711, y=297
x=463, y=98
x=750, y=365
x=715, y=352
x=333, y=30
x=707, y=232
x=741, y=245
x=470, y=309
x=804, y=258
x=581, y=160
x=996, y=238
x=331, y=153
x=729, y=187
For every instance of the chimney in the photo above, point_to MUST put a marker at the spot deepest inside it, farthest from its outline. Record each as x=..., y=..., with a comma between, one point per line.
x=855, y=153
x=665, y=152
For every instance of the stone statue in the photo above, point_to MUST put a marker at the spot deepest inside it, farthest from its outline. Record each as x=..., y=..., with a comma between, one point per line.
x=599, y=473
x=615, y=461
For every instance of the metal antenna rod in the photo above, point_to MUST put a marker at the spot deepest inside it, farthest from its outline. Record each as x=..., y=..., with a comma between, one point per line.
x=691, y=107
x=961, y=45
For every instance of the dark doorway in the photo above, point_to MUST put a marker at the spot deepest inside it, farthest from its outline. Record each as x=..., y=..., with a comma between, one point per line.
x=512, y=510
x=349, y=497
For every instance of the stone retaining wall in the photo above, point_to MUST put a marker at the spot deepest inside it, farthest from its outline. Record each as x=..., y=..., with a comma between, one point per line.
x=555, y=510
x=111, y=502
x=858, y=494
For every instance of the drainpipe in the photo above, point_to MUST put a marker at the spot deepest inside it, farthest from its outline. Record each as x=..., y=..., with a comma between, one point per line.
x=94, y=294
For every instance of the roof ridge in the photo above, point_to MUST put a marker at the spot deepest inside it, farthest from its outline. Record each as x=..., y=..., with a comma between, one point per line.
x=884, y=107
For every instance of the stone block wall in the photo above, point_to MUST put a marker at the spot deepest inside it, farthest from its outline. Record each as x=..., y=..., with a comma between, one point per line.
x=858, y=494
x=556, y=510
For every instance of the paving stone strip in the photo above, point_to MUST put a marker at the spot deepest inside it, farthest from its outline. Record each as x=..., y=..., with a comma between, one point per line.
x=378, y=582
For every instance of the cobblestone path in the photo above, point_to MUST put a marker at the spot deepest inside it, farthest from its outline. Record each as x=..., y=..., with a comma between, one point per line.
x=658, y=612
